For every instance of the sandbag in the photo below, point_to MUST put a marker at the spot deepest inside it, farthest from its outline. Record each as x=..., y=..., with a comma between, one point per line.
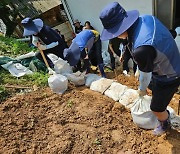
x=58, y=83
x=128, y=97
x=78, y=78
x=115, y=91
x=142, y=114
x=101, y=85
x=16, y=69
x=175, y=119
x=89, y=78
x=62, y=67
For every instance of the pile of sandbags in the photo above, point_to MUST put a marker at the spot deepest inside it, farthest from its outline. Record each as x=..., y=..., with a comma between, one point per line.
x=139, y=106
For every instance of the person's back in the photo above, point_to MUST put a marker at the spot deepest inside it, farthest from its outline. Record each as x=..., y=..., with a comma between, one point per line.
x=152, y=31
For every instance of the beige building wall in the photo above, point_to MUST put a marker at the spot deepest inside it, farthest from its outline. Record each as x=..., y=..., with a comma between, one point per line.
x=44, y=5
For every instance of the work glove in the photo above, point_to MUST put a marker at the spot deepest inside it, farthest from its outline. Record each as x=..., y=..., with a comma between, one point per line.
x=137, y=74
x=142, y=92
x=41, y=47
x=121, y=59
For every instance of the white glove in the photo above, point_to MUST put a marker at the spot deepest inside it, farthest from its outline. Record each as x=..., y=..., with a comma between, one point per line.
x=137, y=74
x=42, y=47
x=142, y=93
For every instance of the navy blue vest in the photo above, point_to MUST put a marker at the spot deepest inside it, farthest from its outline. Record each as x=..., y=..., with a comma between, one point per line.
x=48, y=35
x=150, y=31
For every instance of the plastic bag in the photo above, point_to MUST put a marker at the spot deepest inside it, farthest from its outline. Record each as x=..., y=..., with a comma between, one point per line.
x=78, y=78
x=90, y=78
x=101, y=85
x=16, y=69
x=128, y=97
x=106, y=58
x=115, y=91
x=62, y=67
x=58, y=83
x=142, y=114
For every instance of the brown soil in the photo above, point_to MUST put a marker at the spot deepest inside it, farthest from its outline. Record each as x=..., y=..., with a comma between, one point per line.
x=80, y=121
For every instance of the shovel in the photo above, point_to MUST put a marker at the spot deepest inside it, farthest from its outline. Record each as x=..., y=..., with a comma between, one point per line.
x=47, y=65
x=178, y=107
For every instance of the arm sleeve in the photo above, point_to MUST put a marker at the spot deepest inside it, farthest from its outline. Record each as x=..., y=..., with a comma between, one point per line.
x=144, y=57
x=34, y=40
x=144, y=80
x=43, y=47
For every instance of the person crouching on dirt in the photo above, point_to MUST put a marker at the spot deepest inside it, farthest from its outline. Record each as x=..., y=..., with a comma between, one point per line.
x=51, y=40
x=154, y=50
x=81, y=49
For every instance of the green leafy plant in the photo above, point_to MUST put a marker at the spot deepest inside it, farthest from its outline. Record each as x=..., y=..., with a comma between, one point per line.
x=97, y=141
x=11, y=47
x=70, y=103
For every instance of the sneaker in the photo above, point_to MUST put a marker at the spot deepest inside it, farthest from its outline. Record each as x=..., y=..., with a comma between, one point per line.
x=125, y=73
x=162, y=127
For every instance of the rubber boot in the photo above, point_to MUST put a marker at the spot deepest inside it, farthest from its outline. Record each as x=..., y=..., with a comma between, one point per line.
x=163, y=126
x=101, y=68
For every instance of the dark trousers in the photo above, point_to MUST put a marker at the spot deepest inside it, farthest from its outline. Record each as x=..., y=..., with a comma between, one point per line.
x=95, y=54
x=126, y=58
x=113, y=65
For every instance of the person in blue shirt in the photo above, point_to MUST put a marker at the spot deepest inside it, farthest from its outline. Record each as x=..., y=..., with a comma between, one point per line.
x=86, y=46
x=44, y=37
x=153, y=49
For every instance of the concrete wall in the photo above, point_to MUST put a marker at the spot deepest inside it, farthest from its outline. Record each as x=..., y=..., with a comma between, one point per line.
x=90, y=10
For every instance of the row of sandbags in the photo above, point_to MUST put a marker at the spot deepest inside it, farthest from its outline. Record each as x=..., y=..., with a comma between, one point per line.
x=139, y=106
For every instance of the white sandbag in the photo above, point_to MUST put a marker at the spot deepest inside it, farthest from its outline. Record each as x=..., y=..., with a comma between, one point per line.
x=175, y=119
x=115, y=91
x=53, y=57
x=142, y=114
x=58, y=83
x=128, y=97
x=62, y=67
x=101, y=85
x=28, y=55
x=78, y=78
x=89, y=78
x=16, y=69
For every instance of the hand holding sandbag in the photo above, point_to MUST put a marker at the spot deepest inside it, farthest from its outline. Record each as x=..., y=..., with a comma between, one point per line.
x=142, y=114
x=142, y=93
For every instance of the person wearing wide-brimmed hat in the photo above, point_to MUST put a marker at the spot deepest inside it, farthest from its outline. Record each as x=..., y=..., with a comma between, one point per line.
x=41, y=33
x=78, y=26
x=86, y=46
x=153, y=49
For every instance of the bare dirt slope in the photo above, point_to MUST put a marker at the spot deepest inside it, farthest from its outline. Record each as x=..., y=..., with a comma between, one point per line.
x=79, y=122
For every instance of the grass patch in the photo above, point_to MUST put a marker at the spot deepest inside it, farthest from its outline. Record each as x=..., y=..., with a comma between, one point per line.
x=38, y=78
